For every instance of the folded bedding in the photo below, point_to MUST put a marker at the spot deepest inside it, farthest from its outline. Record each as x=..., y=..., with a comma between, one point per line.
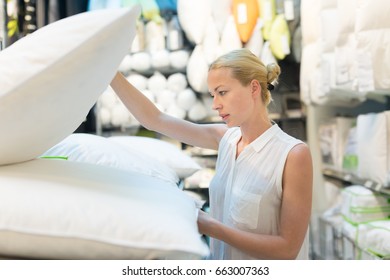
x=90, y=206
x=362, y=205
x=59, y=209
x=374, y=237
x=373, y=147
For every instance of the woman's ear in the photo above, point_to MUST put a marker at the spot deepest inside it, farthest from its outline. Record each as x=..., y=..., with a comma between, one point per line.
x=255, y=87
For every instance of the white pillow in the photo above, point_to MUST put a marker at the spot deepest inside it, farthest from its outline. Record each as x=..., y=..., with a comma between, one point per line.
x=197, y=70
x=162, y=151
x=373, y=146
x=375, y=238
x=99, y=150
x=52, y=78
x=57, y=209
x=361, y=205
x=193, y=18
x=230, y=39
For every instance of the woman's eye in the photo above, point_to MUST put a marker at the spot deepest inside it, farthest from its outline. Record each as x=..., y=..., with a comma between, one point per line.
x=222, y=92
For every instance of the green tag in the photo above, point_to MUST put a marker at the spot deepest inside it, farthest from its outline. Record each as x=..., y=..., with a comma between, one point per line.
x=55, y=157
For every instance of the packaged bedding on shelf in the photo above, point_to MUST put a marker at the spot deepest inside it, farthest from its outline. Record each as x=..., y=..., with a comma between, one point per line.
x=373, y=142
x=374, y=237
x=361, y=205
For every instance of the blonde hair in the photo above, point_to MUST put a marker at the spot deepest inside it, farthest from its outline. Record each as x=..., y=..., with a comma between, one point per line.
x=246, y=67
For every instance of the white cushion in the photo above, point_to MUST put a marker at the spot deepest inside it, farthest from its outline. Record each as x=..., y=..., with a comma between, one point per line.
x=371, y=37
x=360, y=205
x=197, y=70
x=162, y=151
x=193, y=18
x=221, y=10
x=375, y=238
x=211, y=41
x=52, y=78
x=373, y=146
x=230, y=39
x=310, y=21
x=99, y=150
x=57, y=209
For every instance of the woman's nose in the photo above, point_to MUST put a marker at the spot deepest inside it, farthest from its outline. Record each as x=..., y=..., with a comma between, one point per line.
x=216, y=104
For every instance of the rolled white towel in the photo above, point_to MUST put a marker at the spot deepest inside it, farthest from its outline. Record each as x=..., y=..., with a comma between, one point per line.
x=186, y=99
x=138, y=80
x=177, y=82
x=157, y=82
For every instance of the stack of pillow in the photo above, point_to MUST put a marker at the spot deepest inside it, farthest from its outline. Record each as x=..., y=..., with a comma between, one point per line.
x=366, y=216
x=62, y=209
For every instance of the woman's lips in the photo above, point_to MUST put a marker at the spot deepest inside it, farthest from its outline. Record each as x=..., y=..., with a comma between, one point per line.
x=224, y=116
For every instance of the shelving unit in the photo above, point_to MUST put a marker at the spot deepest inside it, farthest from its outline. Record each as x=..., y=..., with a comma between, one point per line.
x=350, y=178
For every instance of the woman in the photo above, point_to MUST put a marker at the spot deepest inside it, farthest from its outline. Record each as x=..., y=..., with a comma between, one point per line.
x=260, y=196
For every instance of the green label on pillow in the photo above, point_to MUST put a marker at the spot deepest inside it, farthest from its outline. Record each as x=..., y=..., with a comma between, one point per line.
x=55, y=157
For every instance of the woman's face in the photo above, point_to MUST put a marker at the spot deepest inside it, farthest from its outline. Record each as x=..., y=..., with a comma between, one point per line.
x=233, y=101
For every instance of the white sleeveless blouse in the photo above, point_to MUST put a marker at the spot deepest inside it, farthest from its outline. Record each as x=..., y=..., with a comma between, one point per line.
x=246, y=192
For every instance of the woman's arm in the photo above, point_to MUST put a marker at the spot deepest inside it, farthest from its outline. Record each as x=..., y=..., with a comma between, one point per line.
x=206, y=136
x=295, y=215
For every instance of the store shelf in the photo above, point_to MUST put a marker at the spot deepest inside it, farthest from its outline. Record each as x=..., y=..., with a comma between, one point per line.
x=350, y=178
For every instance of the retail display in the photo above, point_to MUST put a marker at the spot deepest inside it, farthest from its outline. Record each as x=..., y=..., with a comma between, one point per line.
x=347, y=106
x=80, y=201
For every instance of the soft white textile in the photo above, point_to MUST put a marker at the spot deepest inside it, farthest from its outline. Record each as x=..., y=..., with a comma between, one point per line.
x=162, y=151
x=57, y=209
x=51, y=78
x=375, y=237
x=360, y=204
x=193, y=18
x=94, y=149
x=373, y=142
